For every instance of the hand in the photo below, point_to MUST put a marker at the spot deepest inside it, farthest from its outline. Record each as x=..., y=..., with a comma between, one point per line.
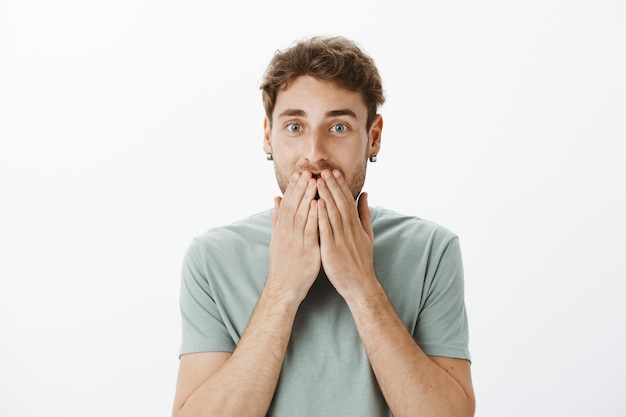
x=346, y=235
x=294, y=248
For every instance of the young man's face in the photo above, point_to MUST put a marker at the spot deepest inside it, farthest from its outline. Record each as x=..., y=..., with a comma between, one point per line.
x=318, y=125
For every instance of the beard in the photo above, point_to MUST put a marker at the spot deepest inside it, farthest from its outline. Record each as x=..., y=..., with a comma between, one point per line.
x=355, y=182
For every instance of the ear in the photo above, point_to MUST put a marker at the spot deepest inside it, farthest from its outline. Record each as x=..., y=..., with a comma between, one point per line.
x=267, y=133
x=375, y=134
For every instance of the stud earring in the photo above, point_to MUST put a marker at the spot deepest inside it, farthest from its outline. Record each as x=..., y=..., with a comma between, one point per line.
x=373, y=157
x=269, y=157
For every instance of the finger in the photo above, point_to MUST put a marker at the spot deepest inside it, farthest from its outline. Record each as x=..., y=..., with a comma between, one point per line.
x=311, y=234
x=291, y=187
x=330, y=208
x=341, y=194
x=305, y=204
x=325, y=229
x=344, y=203
x=365, y=215
x=343, y=186
x=294, y=192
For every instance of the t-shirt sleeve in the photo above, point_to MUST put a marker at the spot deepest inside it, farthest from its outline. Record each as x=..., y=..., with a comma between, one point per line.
x=203, y=329
x=442, y=325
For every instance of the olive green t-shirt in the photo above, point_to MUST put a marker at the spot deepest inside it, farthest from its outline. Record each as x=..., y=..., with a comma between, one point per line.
x=326, y=371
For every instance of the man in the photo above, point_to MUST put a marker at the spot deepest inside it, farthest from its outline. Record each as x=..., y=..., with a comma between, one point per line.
x=324, y=306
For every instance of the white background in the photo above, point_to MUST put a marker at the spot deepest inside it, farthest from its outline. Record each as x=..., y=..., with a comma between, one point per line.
x=128, y=127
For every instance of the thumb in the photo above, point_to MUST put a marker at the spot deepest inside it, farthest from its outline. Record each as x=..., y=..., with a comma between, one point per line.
x=365, y=215
x=277, y=201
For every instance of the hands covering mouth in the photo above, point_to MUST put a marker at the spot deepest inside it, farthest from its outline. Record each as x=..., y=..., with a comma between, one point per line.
x=317, y=223
x=315, y=175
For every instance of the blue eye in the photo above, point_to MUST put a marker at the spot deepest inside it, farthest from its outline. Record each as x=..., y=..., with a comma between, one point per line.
x=339, y=128
x=294, y=127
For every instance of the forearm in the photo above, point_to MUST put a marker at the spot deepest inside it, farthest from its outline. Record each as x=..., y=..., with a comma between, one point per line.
x=411, y=382
x=245, y=383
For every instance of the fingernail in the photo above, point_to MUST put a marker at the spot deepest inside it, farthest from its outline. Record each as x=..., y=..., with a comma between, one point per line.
x=336, y=173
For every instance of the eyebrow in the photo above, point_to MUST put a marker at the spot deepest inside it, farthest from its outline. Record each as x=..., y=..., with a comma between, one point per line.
x=341, y=112
x=293, y=112
x=332, y=113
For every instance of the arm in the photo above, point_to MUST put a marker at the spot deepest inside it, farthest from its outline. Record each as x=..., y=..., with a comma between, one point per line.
x=243, y=383
x=412, y=383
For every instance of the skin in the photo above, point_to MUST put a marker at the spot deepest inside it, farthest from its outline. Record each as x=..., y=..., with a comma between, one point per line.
x=320, y=145
x=311, y=132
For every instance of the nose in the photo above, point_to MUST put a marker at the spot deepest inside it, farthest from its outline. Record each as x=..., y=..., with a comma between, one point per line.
x=316, y=149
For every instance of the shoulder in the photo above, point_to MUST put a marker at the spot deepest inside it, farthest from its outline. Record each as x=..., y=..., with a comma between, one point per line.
x=391, y=225
x=254, y=230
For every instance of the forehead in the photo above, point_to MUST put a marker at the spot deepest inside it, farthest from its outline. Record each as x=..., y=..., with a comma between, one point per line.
x=312, y=95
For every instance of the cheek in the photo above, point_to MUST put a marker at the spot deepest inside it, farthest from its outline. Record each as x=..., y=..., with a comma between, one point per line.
x=355, y=156
x=286, y=150
x=285, y=159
